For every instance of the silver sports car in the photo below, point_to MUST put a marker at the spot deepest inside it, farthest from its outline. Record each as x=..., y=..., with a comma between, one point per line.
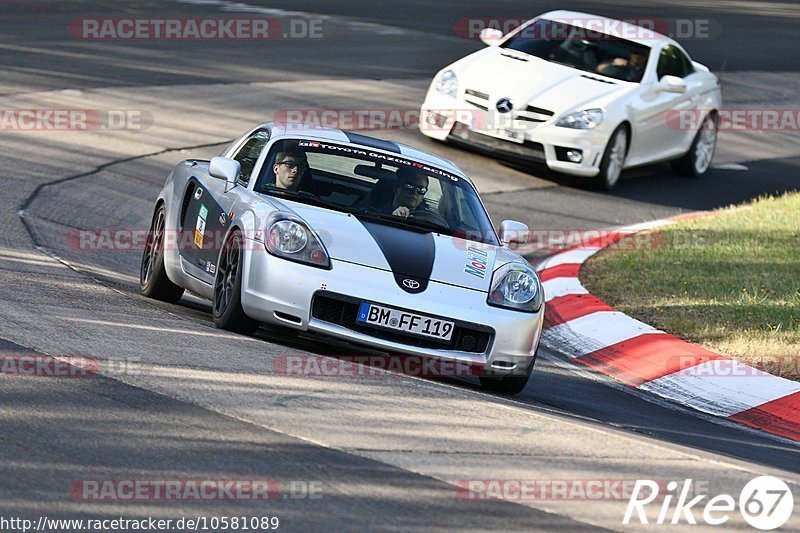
x=352, y=237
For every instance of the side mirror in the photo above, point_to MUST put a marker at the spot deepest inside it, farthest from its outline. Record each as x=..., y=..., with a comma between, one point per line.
x=490, y=36
x=513, y=232
x=672, y=84
x=225, y=169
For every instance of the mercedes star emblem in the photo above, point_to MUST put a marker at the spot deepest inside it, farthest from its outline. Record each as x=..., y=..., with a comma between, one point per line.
x=504, y=105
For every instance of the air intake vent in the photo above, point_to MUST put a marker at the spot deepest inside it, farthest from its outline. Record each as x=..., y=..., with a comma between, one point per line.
x=186, y=199
x=529, y=119
x=601, y=80
x=471, y=95
x=479, y=94
x=539, y=110
x=534, y=114
x=515, y=57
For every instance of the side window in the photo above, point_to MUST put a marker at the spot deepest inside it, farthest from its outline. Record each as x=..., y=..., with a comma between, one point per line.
x=672, y=62
x=248, y=154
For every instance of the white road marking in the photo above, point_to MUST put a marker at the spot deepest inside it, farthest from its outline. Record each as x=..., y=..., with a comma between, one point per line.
x=578, y=255
x=561, y=287
x=598, y=330
x=720, y=388
x=162, y=329
x=729, y=166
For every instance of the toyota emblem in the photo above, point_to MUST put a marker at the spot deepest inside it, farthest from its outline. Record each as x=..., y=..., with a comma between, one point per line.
x=504, y=105
x=411, y=283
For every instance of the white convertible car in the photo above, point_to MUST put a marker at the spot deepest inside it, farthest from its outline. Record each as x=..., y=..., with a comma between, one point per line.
x=587, y=95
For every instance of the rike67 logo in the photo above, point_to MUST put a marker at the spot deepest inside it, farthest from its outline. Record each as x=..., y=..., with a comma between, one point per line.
x=765, y=503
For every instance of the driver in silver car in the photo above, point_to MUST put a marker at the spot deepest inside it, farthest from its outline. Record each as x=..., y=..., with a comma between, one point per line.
x=289, y=169
x=409, y=193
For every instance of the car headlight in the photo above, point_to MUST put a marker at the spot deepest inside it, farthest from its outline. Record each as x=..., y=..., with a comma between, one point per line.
x=290, y=238
x=582, y=120
x=447, y=83
x=516, y=286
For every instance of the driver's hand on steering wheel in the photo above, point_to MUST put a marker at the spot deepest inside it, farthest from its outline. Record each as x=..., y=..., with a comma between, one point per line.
x=402, y=211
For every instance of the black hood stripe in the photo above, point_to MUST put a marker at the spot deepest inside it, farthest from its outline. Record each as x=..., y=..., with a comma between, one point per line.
x=410, y=254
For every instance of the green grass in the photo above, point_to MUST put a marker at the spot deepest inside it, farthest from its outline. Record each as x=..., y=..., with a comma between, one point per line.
x=728, y=282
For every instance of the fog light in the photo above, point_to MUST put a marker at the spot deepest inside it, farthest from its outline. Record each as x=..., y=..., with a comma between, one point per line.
x=468, y=343
x=436, y=119
x=575, y=156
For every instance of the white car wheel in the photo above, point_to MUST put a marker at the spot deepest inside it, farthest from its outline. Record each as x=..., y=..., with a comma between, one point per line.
x=698, y=159
x=613, y=159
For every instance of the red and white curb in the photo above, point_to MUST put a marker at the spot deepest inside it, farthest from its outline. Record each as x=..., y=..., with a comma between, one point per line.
x=592, y=333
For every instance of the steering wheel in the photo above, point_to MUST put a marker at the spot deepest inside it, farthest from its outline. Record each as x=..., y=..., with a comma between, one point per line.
x=426, y=215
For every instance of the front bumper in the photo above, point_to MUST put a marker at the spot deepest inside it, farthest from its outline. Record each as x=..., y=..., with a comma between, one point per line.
x=459, y=122
x=281, y=292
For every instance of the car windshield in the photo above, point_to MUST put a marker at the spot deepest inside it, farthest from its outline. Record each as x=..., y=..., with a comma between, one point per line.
x=381, y=187
x=583, y=49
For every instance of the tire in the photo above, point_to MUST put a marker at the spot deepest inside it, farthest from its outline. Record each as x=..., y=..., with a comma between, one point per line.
x=613, y=160
x=153, y=280
x=509, y=384
x=227, y=307
x=697, y=160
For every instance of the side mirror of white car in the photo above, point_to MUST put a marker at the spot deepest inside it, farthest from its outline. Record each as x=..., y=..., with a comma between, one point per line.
x=225, y=169
x=513, y=232
x=491, y=36
x=672, y=84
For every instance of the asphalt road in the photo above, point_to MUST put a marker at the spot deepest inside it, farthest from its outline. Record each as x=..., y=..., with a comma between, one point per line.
x=180, y=400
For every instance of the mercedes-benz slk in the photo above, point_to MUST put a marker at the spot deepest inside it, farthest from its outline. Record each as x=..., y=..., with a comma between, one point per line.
x=586, y=95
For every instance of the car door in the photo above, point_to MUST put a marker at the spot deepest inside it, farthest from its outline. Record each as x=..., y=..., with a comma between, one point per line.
x=658, y=134
x=205, y=212
x=208, y=207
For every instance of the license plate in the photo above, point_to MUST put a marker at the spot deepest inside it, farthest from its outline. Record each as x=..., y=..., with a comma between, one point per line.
x=516, y=136
x=386, y=317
